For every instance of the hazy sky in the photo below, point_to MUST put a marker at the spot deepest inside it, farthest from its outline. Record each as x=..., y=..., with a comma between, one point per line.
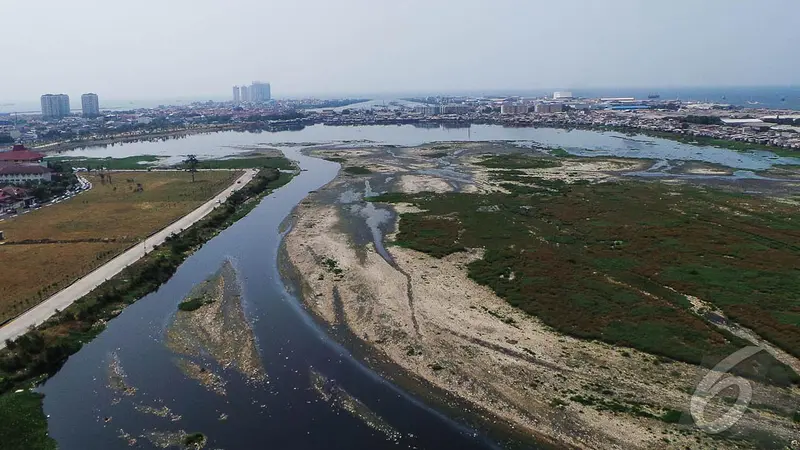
x=150, y=49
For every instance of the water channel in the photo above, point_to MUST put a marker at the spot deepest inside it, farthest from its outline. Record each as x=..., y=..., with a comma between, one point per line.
x=85, y=411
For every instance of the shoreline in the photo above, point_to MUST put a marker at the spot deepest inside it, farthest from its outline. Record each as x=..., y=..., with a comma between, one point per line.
x=461, y=411
x=54, y=149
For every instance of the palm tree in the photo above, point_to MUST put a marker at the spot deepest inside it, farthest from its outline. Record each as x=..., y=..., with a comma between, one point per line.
x=191, y=164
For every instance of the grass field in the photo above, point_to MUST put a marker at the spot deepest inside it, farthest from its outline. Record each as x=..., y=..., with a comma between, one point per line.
x=275, y=162
x=597, y=261
x=47, y=249
x=128, y=163
x=146, y=161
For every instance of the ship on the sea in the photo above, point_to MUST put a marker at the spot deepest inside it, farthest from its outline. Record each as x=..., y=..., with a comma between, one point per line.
x=654, y=96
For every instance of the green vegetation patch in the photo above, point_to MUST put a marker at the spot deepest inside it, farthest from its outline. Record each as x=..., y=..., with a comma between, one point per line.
x=128, y=163
x=274, y=162
x=194, y=304
x=560, y=152
x=597, y=262
x=332, y=266
x=24, y=426
x=357, y=170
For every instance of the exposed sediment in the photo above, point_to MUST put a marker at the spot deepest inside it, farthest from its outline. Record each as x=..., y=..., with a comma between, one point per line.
x=428, y=317
x=218, y=330
x=330, y=392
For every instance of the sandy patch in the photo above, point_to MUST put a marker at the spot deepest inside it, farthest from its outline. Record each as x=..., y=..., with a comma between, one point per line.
x=413, y=184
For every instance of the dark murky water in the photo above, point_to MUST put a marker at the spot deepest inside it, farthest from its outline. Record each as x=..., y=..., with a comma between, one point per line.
x=315, y=396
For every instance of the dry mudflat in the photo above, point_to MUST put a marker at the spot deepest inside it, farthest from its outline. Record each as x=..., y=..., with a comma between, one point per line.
x=428, y=317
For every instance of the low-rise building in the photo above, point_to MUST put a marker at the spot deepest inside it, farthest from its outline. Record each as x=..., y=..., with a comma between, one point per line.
x=13, y=197
x=427, y=110
x=549, y=108
x=510, y=108
x=454, y=108
x=21, y=173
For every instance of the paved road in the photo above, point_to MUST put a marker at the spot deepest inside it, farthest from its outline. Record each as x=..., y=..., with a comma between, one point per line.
x=43, y=311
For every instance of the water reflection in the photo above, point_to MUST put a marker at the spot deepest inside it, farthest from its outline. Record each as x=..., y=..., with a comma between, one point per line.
x=577, y=142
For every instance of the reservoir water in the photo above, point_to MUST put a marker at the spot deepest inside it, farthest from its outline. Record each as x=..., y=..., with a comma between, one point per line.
x=125, y=385
x=577, y=142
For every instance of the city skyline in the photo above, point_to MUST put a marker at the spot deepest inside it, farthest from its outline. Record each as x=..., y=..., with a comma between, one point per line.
x=366, y=47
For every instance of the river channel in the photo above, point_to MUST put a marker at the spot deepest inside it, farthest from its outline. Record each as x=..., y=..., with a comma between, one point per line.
x=87, y=410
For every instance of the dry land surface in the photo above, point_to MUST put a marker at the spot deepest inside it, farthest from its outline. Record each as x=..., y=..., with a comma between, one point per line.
x=559, y=297
x=46, y=250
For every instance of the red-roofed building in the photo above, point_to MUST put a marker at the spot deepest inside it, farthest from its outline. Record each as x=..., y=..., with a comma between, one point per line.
x=21, y=155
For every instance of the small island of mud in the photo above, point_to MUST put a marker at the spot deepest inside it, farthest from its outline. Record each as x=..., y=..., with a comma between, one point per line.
x=210, y=327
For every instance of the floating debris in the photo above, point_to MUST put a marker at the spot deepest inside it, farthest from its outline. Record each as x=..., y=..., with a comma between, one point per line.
x=163, y=412
x=330, y=392
x=180, y=439
x=203, y=375
x=127, y=437
x=117, y=378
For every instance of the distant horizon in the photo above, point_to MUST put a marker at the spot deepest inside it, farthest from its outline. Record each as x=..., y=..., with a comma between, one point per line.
x=120, y=102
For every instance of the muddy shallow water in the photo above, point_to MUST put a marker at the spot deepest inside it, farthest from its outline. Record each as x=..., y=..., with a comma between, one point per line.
x=126, y=388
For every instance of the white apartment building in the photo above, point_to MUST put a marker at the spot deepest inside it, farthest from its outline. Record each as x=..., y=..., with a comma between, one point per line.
x=90, y=105
x=55, y=106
